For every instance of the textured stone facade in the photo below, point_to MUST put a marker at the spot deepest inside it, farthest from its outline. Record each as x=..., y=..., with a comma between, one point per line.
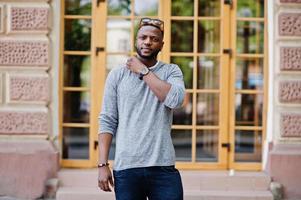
x=23, y=123
x=1, y=18
x=24, y=88
x=290, y=125
x=290, y=24
x=290, y=58
x=290, y=91
x=29, y=19
x=24, y=53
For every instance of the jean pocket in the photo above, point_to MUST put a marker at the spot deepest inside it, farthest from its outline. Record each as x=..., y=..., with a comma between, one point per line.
x=119, y=173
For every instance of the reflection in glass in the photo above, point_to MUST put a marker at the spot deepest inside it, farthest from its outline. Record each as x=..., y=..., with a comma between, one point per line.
x=76, y=107
x=116, y=61
x=248, y=109
x=78, y=7
x=248, y=146
x=182, y=7
x=147, y=9
x=207, y=146
x=118, y=35
x=77, y=34
x=186, y=65
x=207, y=109
x=182, y=36
x=119, y=7
x=250, y=37
x=249, y=74
x=182, y=140
x=75, y=143
x=183, y=115
x=209, y=36
x=250, y=8
x=209, y=7
x=77, y=71
x=208, y=72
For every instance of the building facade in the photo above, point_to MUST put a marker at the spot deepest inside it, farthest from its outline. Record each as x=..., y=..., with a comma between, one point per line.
x=241, y=62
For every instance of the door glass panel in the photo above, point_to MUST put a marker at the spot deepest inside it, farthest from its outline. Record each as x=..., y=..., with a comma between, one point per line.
x=186, y=65
x=115, y=61
x=119, y=7
x=76, y=143
x=78, y=7
x=182, y=140
x=250, y=37
x=183, y=115
x=77, y=34
x=207, y=146
x=248, y=109
x=76, y=107
x=209, y=36
x=182, y=36
x=182, y=7
x=208, y=72
x=249, y=74
x=250, y=8
x=209, y=7
x=118, y=35
x=149, y=8
x=248, y=146
x=207, y=109
x=77, y=71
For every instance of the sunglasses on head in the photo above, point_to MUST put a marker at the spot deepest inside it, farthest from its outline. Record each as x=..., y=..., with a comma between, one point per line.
x=152, y=22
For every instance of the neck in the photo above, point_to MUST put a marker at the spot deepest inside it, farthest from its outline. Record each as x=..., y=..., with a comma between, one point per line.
x=148, y=62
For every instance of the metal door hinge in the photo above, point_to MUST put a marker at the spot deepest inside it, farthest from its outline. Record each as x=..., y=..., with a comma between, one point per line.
x=99, y=1
x=226, y=145
x=229, y=2
x=228, y=51
x=95, y=144
x=99, y=49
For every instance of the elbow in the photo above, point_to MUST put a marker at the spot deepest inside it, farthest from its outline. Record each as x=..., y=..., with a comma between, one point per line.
x=176, y=99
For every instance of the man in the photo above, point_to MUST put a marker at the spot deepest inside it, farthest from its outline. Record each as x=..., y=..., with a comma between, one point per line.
x=137, y=110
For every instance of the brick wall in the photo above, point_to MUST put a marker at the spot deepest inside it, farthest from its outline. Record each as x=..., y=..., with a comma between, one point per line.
x=24, y=63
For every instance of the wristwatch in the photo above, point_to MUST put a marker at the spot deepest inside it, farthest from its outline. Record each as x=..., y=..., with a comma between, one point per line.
x=144, y=71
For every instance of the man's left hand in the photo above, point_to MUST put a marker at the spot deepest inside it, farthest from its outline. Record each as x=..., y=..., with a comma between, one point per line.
x=134, y=64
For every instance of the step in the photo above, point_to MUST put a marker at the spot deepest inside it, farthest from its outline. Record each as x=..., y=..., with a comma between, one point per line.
x=192, y=180
x=93, y=193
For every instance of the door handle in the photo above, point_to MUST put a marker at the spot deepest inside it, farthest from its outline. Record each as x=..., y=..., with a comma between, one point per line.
x=99, y=49
x=226, y=145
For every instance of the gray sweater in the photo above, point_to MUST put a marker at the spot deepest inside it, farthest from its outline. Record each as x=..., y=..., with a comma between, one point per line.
x=139, y=121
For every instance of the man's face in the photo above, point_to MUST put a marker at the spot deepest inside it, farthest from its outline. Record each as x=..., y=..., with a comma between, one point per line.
x=149, y=42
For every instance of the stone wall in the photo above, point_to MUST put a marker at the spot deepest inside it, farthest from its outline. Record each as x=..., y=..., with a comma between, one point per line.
x=25, y=95
x=285, y=156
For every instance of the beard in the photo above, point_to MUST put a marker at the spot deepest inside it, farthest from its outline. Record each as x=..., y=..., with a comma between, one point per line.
x=153, y=55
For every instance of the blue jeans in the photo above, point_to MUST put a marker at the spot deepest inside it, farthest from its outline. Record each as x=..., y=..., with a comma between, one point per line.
x=154, y=183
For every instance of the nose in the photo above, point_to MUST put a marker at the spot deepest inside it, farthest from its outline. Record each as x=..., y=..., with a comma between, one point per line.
x=147, y=41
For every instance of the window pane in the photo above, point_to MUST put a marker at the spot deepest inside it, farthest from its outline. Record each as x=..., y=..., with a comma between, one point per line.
x=249, y=74
x=118, y=35
x=78, y=34
x=75, y=143
x=182, y=36
x=208, y=72
x=182, y=8
x=149, y=8
x=248, y=109
x=119, y=7
x=186, y=65
x=209, y=7
x=207, y=109
x=250, y=8
x=77, y=71
x=183, y=115
x=182, y=140
x=76, y=107
x=250, y=37
x=209, y=36
x=115, y=61
x=248, y=146
x=78, y=7
x=207, y=146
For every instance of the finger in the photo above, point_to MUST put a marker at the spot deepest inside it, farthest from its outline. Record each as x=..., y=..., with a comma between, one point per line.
x=111, y=181
x=106, y=187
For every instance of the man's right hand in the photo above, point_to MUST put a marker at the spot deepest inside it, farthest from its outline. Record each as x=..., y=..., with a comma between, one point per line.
x=105, y=179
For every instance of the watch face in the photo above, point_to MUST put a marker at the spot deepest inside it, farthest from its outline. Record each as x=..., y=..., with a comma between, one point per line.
x=144, y=70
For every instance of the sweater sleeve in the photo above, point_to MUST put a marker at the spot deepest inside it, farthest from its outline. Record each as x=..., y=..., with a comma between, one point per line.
x=175, y=95
x=108, y=117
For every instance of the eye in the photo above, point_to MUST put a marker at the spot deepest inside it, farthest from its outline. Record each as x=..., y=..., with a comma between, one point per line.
x=155, y=39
